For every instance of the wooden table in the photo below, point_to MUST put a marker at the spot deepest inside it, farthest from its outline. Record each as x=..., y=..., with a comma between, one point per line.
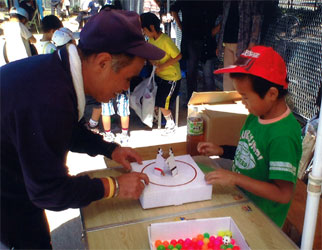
x=122, y=224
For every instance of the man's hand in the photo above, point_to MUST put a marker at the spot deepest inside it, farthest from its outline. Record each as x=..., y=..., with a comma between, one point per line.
x=125, y=155
x=132, y=184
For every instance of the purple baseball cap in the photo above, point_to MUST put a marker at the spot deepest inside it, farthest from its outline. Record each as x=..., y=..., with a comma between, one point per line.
x=115, y=32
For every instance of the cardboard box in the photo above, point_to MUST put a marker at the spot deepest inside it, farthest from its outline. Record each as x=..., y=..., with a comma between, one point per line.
x=223, y=115
x=188, y=186
x=191, y=228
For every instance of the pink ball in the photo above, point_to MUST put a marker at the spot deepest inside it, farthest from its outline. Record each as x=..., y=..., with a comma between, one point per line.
x=200, y=243
x=232, y=241
x=217, y=242
x=212, y=238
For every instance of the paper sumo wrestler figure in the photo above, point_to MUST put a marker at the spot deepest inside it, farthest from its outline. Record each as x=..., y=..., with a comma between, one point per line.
x=159, y=163
x=171, y=162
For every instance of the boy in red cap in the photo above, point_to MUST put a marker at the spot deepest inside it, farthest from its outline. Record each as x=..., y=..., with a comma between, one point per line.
x=269, y=150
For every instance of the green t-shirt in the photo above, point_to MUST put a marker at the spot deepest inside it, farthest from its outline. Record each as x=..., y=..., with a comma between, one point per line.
x=269, y=152
x=164, y=42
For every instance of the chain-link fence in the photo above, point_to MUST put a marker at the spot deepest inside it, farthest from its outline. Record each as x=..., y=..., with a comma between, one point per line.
x=296, y=34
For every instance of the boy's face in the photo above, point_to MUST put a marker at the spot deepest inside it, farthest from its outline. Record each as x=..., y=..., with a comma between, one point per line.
x=252, y=101
x=148, y=33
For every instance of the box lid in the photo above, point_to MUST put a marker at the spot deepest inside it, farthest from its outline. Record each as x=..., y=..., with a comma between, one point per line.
x=214, y=97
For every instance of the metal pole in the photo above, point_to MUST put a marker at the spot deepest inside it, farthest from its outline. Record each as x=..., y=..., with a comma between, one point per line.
x=314, y=192
x=168, y=12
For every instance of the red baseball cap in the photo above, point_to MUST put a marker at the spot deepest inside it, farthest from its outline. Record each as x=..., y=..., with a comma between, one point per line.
x=115, y=32
x=260, y=61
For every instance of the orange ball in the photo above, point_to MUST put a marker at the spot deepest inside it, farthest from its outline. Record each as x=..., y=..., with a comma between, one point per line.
x=204, y=247
x=200, y=237
x=165, y=243
x=157, y=243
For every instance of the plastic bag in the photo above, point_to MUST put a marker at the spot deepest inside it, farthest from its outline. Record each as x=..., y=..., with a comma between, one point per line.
x=142, y=99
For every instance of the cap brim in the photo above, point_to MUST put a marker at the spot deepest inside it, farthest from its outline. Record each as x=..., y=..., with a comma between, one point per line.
x=147, y=51
x=231, y=69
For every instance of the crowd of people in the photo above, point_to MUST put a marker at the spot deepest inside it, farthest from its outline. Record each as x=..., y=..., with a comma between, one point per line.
x=44, y=120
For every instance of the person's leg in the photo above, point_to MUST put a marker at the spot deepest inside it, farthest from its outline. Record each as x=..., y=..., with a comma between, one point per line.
x=168, y=117
x=24, y=227
x=59, y=10
x=96, y=114
x=208, y=69
x=166, y=96
x=125, y=122
x=107, y=111
x=52, y=9
x=106, y=120
x=123, y=110
x=229, y=59
x=67, y=9
x=194, y=51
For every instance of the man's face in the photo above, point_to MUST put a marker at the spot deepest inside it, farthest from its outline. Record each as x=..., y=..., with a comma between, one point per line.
x=103, y=83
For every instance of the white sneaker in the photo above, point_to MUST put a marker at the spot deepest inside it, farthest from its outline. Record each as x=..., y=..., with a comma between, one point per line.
x=108, y=136
x=93, y=129
x=170, y=129
x=156, y=116
x=123, y=139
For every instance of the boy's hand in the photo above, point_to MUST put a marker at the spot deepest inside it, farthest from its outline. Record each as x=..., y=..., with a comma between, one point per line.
x=160, y=67
x=222, y=177
x=208, y=148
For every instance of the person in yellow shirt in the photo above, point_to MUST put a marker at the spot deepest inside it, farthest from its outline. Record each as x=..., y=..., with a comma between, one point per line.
x=168, y=73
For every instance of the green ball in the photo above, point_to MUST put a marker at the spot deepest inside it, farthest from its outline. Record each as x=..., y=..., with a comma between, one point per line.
x=161, y=247
x=206, y=235
x=178, y=246
x=223, y=246
x=170, y=246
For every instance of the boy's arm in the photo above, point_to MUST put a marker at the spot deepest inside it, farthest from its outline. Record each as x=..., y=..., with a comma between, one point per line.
x=277, y=190
x=168, y=63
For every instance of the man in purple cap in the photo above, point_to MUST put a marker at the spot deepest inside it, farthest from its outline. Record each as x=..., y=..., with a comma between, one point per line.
x=42, y=105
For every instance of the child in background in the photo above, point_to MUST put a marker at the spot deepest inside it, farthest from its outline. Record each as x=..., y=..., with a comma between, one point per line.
x=168, y=73
x=269, y=150
x=49, y=24
x=123, y=110
x=63, y=36
x=17, y=35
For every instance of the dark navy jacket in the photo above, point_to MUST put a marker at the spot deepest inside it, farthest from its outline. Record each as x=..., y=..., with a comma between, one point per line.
x=39, y=125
